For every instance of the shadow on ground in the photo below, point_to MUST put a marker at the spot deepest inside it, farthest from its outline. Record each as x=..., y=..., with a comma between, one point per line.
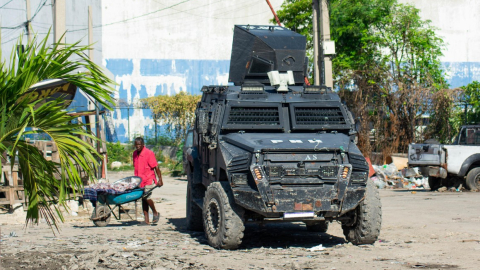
x=273, y=235
x=116, y=223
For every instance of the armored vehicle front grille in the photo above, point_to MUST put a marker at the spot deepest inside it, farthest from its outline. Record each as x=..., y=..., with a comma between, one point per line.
x=328, y=171
x=319, y=116
x=239, y=163
x=254, y=116
x=325, y=172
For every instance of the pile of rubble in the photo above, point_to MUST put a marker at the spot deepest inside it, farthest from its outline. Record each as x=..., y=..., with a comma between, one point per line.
x=389, y=176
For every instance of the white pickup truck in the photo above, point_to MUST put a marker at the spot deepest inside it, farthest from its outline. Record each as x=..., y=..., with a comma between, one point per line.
x=458, y=160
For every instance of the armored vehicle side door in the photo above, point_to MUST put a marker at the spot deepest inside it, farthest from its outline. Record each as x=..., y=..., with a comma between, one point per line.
x=187, y=152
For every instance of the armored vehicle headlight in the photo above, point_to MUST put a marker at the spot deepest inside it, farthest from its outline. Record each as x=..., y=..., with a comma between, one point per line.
x=314, y=89
x=345, y=172
x=239, y=179
x=252, y=88
x=257, y=173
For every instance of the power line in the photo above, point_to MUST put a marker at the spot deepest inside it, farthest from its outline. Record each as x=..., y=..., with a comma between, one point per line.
x=14, y=27
x=198, y=7
x=41, y=26
x=21, y=9
x=38, y=9
x=10, y=40
x=6, y=3
x=129, y=19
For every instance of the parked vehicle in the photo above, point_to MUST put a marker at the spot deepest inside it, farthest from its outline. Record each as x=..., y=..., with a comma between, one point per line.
x=443, y=161
x=270, y=148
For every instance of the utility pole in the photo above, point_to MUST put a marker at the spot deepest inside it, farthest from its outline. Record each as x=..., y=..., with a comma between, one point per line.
x=101, y=170
x=59, y=19
x=321, y=33
x=1, y=60
x=325, y=36
x=28, y=25
x=90, y=33
x=317, y=64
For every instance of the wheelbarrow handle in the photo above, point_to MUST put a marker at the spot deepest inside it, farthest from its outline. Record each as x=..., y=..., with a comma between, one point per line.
x=148, y=192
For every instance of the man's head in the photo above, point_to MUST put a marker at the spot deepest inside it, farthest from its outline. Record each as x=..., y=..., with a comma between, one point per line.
x=139, y=144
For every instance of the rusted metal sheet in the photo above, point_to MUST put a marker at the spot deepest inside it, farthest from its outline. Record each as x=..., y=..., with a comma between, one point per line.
x=307, y=207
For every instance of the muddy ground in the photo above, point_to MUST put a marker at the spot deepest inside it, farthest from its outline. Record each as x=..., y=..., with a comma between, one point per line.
x=421, y=229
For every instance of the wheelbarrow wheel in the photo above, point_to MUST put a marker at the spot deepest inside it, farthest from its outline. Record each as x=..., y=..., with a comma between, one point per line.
x=104, y=212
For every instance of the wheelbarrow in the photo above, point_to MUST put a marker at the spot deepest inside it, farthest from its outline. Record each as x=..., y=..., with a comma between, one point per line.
x=103, y=211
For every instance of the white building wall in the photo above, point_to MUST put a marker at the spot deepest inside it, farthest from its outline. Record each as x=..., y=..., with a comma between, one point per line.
x=458, y=23
x=164, y=47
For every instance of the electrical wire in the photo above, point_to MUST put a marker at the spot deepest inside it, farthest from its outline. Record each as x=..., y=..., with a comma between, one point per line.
x=129, y=19
x=208, y=17
x=40, y=6
x=185, y=11
x=14, y=27
x=21, y=9
x=10, y=40
x=6, y=3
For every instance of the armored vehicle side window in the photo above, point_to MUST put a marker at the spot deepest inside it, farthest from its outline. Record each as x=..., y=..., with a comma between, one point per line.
x=189, y=139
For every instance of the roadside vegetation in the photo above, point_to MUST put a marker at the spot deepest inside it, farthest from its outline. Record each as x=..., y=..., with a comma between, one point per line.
x=170, y=164
x=387, y=68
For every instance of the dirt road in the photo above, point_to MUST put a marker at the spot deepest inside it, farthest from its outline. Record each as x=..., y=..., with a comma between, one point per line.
x=428, y=230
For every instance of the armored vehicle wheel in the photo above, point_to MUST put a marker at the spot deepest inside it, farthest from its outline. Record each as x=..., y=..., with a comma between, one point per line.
x=318, y=226
x=194, y=213
x=101, y=211
x=368, y=219
x=434, y=182
x=222, y=218
x=473, y=179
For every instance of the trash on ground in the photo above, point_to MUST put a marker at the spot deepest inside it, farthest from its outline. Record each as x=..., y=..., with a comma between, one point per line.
x=317, y=248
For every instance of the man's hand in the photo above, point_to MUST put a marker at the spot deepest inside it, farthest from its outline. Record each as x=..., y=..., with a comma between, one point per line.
x=159, y=183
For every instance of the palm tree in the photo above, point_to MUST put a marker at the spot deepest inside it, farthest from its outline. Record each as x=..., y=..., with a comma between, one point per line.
x=21, y=115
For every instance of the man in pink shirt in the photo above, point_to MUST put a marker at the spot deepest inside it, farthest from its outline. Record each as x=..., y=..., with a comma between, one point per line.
x=145, y=166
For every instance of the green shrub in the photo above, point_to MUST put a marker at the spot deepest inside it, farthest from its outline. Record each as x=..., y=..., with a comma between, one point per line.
x=118, y=152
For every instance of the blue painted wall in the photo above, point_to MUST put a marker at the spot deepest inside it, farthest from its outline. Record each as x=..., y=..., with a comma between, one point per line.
x=187, y=75
x=461, y=73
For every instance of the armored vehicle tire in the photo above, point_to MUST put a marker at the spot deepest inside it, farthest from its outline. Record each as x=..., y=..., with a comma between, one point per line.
x=368, y=219
x=222, y=218
x=473, y=179
x=434, y=182
x=194, y=213
x=100, y=211
x=318, y=226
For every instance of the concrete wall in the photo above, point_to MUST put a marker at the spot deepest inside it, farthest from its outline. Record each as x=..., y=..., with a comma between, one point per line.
x=164, y=47
x=458, y=22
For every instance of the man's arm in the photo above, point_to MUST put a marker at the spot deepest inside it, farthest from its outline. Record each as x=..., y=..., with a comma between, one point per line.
x=159, y=176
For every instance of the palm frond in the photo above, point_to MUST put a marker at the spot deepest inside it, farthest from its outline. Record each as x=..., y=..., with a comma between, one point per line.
x=48, y=184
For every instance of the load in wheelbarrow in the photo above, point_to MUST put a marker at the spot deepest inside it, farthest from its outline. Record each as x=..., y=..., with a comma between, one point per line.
x=105, y=198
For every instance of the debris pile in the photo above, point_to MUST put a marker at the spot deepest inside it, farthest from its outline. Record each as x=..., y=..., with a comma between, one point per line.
x=389, y=176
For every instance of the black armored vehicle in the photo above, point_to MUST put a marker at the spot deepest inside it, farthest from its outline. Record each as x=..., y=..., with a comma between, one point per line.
x=271, y=148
